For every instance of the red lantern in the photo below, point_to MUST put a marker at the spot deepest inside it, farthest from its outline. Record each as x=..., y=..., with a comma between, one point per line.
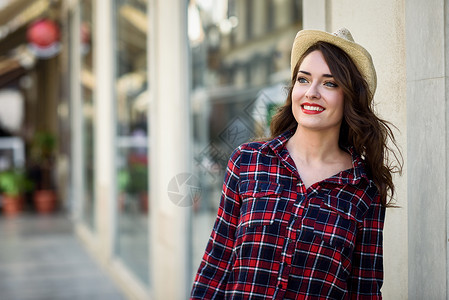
x=43, y=37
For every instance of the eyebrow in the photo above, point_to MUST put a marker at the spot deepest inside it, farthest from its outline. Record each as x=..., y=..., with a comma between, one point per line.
x=309, y=74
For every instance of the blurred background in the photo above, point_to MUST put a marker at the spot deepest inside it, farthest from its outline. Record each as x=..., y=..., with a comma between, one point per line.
x=117, y=119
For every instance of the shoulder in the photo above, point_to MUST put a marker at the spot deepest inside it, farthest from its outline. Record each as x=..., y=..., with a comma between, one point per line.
x=266, y=150
x=367, y=197
x=254, y=148
x=251, y=154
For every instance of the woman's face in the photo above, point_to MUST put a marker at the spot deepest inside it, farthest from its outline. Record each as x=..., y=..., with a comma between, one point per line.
x=317, y=100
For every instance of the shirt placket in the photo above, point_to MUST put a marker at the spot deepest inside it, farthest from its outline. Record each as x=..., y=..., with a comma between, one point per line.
x=293, y=230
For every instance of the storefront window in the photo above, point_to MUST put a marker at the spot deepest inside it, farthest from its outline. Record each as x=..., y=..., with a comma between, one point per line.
x=240, y=56
x=88, y=113
x=131, y=109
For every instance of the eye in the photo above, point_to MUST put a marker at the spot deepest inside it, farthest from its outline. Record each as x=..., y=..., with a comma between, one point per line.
x=302, y=80
x=331, y=84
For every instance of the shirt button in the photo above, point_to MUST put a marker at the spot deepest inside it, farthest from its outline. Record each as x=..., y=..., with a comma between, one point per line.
x=280, y=285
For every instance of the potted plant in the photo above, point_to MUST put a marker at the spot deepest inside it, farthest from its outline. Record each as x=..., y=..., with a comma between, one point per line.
x=13, y=185
x=43, y=148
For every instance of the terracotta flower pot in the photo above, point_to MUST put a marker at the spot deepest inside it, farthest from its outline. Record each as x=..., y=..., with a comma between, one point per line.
x=12, y=205
x=143, y=202
x=45, y=201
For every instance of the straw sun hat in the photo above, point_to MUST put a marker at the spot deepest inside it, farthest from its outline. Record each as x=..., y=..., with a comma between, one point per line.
x=342, y=38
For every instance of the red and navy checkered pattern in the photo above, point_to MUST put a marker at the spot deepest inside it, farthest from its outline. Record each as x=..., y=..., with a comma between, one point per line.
x=275, y=239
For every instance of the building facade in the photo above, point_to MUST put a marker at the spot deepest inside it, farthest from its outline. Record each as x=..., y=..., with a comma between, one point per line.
x=176, y=85
x=154, y=96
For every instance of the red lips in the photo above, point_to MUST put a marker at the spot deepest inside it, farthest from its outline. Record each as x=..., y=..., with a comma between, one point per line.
x=311, y=109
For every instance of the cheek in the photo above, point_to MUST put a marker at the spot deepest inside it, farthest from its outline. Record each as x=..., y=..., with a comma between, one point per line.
x=338, y=102
x=297, y=93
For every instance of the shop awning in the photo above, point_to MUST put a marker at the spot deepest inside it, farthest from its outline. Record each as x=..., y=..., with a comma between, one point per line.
x=15, y=64
x=20, y=12
x=10, y=70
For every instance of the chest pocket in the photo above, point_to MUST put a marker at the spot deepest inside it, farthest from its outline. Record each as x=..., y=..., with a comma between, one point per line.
x=259, y=202
x=336, y=222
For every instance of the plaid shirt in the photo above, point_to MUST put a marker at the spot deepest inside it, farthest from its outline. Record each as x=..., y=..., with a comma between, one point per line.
x=275, y=239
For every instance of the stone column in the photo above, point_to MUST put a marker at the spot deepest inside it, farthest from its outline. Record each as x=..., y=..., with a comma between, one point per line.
x=169, y=149
x=427, y=136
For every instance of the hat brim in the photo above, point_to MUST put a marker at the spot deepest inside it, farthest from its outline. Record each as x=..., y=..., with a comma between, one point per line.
x=359, y=55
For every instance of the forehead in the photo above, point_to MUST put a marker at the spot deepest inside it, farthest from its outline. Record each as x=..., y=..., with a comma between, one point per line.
x=314, y=61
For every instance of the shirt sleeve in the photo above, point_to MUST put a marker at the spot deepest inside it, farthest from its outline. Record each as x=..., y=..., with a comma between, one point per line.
x=213, y=273
x=366, y=277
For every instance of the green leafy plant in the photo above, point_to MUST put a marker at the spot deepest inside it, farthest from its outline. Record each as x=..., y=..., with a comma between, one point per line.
x=14, y=182
x=43, y=147
x=123, y=180
x=138, y=179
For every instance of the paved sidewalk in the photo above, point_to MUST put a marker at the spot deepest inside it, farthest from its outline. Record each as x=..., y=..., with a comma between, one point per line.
x=41, y=259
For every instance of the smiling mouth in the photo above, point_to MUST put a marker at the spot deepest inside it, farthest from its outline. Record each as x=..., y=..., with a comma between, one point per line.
x=312, y=108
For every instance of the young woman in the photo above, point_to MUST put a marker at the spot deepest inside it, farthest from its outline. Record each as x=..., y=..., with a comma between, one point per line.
x=301, y=215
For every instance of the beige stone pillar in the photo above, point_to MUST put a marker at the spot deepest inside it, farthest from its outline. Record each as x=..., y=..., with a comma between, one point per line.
x=169, y=148
x=428, y=155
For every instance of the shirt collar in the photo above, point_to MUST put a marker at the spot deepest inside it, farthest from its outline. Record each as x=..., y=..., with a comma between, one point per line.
x=350, y=176
x=278, y=143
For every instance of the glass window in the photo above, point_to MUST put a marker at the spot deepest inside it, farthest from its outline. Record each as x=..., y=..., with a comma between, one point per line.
x=240, y=66
x=132, y=134
x=88, y=113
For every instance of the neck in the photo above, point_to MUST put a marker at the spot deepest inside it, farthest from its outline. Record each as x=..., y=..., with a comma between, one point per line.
x=314, y=146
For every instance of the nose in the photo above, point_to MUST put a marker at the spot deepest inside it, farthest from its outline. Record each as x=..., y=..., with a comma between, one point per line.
x=312, y=92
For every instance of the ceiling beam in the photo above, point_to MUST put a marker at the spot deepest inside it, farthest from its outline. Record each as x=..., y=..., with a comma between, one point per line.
x=13, y=9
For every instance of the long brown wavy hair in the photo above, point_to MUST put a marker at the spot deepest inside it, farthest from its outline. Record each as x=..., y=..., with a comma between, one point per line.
x=360, y=128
